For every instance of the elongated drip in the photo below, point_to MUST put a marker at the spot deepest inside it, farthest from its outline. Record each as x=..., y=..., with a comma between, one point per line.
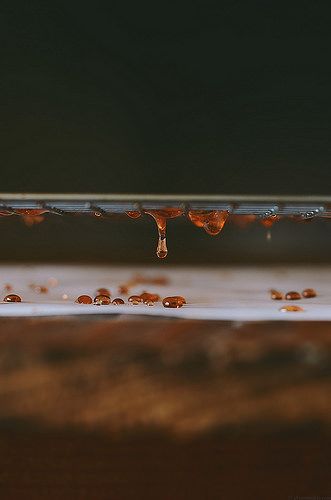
x=160, y=217
x=211, y=221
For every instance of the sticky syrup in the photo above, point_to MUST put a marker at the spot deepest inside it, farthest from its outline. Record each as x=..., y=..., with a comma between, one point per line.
x=292, y=296
x=160, y=217
x=40, y=289
x=12, y=298
x=135, y=299
x=309, y=293
x=291, y=309
x=84, y=299
x=211, y=221
x=174, y=302
x=102, y=300
x=149, y=297
x=118, y=302
x=133, y=214
x=275, y=295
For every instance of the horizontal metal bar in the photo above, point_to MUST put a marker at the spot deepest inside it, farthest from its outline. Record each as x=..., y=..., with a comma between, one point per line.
x=106, y=204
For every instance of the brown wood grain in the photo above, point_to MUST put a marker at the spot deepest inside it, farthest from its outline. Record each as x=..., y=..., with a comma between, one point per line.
x=155, y=408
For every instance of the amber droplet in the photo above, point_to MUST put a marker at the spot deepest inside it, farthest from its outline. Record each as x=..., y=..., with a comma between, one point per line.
x=134, y=214
x=84, y=299
x=40, y=289
x=292, y=296
x=123, y=289
x=149, y=302
x=12, y=298
x=135, y=299
x=104, y=291
x=118, y=302
x=149, y=297
x=309, y=293
x=102, y=300
x=174, y=302
x=275, y=295
x=211, y=221
x=160, y=217
x=8, y=287
x=291, y=309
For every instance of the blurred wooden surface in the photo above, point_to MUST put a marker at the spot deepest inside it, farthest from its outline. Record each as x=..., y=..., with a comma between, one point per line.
x=127, y=407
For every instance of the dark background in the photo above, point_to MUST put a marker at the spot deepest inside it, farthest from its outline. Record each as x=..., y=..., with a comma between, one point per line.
x=124, y=96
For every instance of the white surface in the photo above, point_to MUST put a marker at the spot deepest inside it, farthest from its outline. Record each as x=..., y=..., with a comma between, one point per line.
x=226, y=293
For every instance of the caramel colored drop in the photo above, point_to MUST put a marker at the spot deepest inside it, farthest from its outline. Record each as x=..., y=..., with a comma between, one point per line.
x=40, y=289
x=292, y=296
x=291, y=309
x=174, y=302
x=309, y=293
x=275, y=295
x=117, y=302
x=160, y=217
x=148, y=302
x=102, y=300
x=84, y=299
x=150, y=297
x=134, y=214
x=135, y=299
x=12, y=298
x=211, y=221
x=104, y=291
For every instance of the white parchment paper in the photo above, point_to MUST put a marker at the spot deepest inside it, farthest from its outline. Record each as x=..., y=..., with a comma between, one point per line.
x=223, y=293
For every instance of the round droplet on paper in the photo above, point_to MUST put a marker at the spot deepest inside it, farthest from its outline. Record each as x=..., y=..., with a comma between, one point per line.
x=12, y=298
x=150, y=297
x=291, y=309
x=135, y=300
x=102, y=300
x=309, y=293
x=117, y=302
x=276, y=295
x=174, y=302
x=84, y=299
x=40, y=289
x=292, y=296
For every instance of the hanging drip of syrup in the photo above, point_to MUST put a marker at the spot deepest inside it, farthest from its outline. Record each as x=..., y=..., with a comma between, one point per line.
x=211, y=221
x=160, y=217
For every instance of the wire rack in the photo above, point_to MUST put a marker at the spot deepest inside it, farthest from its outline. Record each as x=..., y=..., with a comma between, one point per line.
x=106, y=204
